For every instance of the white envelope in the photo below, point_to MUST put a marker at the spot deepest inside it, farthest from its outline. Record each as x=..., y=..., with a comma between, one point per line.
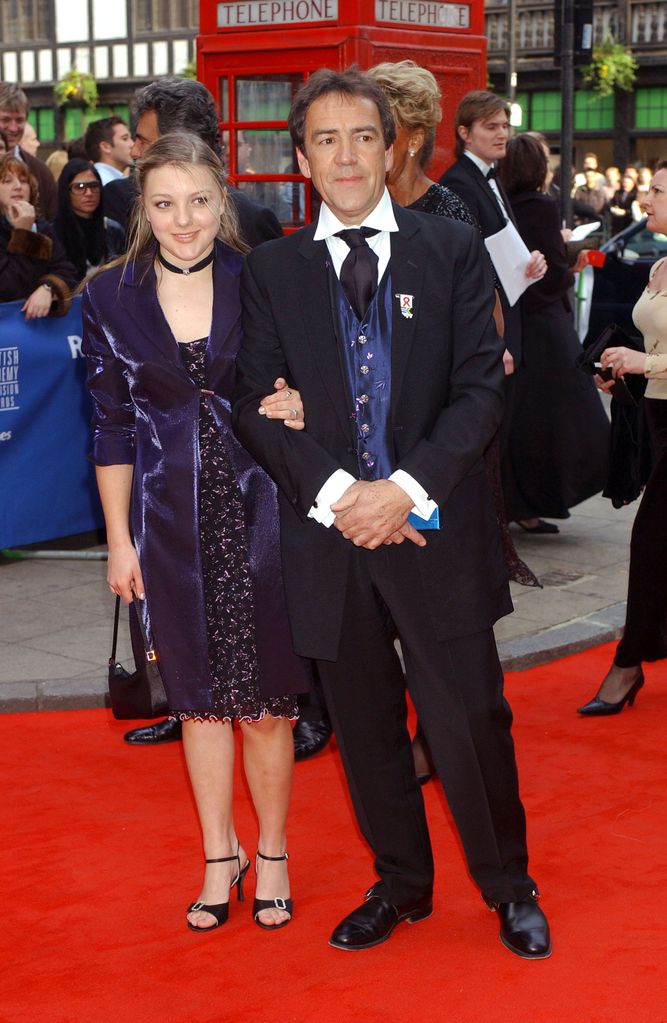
x=510, y=257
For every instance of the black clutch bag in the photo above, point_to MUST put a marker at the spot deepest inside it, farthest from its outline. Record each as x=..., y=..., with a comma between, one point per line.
x=627, y=390
x=140, y=694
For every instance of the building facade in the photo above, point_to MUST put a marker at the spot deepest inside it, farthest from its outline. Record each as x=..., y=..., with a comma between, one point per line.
x=627, y=127
x=122, y=43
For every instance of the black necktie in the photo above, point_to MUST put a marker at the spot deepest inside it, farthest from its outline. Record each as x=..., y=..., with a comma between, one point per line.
x=359, y=272
x=492, y=173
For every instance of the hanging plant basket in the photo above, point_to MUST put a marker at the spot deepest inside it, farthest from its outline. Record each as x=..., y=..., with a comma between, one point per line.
x=77, y=89
x=612, y=67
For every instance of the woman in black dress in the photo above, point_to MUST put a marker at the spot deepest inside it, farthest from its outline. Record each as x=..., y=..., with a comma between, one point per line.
x=559, y=437
x=191, y=519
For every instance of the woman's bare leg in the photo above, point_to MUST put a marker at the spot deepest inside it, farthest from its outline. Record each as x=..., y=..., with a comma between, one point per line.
x=209, y=754
x=268, y=758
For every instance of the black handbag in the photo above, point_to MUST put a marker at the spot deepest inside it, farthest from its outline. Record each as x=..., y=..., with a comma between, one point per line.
x=141, y=694
x=628, y=390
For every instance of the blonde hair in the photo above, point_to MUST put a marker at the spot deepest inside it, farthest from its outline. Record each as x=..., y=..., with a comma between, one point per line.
x=56, y=161
x=414, y=97
x=182, y=151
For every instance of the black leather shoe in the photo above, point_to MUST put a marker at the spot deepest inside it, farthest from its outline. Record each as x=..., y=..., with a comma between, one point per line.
x=310, y=737
x=524, y=929
x=168, y=730
x=374, y=921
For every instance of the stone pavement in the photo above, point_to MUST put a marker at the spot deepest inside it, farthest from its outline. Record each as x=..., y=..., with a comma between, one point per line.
x=56, y=615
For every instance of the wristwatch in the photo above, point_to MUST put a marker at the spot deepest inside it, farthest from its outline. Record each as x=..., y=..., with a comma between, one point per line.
x=45, y=284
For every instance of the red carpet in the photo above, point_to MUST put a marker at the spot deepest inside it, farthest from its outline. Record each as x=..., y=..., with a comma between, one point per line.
x=101, y=858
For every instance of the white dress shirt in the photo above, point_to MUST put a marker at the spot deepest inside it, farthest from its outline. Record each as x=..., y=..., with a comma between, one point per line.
x=383, y=220
x=108, y=173
x=485, y=168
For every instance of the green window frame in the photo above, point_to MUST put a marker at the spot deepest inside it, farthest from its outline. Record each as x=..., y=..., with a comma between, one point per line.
x=545, y=111
x=43, y=121
x=593, y=112
x=651, y=107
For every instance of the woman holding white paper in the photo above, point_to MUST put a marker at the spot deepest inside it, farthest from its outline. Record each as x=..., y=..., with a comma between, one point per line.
x=559, y=436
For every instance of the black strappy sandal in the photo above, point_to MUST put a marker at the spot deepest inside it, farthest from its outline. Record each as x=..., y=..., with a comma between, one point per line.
x=221, y=911
x=259, y=904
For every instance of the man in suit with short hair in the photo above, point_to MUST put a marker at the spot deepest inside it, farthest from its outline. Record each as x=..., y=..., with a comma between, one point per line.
x=182, y=104
x=14, y=107
x=382, y=317
x=481, y=128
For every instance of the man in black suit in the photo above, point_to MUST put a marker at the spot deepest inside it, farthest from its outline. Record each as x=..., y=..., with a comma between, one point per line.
x=387, y=331
x=481, y=127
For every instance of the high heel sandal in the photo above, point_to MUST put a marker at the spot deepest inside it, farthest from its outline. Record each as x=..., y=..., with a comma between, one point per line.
x=601, y=708
x=259, y=904
x=221, y=910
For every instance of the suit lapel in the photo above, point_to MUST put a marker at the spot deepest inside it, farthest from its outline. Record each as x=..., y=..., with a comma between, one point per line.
x=407, y=279
x=141, y=304
x=226, y=308
x=318, y=321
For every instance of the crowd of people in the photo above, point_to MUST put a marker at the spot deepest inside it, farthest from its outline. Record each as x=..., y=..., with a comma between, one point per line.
x=308, y=446
x=612, y=196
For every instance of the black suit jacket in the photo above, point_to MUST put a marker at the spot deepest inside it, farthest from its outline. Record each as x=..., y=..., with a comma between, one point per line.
x=447, y=402
x=258, y=223
x=466, y=179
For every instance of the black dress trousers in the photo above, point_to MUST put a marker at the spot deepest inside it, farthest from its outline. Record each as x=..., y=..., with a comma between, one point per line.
x=457, y=689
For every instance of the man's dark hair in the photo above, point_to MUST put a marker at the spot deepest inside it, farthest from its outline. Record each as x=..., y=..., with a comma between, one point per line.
x=180, y=104
x=351, y=83
x=75, y=149
x=478, y=105
x=99, y=131
x=524, y=166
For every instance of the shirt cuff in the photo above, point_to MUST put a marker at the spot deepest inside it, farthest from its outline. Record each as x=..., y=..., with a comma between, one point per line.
x=422, y=503
x=330, y=492
x=655, y=365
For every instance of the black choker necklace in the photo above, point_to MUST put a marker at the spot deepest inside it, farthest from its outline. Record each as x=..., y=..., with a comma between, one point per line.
x=187, y=270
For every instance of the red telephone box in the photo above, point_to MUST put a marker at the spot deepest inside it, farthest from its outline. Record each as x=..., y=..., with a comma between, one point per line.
x=254, y=54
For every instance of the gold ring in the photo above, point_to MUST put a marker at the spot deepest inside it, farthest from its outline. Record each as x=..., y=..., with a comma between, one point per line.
x=288, y=394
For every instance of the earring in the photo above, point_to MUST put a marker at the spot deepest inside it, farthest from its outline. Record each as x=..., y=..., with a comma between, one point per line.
x=411, y=152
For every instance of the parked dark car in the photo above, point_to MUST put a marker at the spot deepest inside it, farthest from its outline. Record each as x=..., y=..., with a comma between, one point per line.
x=618, y=284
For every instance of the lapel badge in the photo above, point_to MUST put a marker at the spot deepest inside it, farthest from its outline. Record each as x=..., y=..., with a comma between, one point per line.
x=405, y=302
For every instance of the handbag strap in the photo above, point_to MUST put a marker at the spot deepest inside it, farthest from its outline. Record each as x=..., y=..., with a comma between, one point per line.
x=148, y=646
x=114, y=641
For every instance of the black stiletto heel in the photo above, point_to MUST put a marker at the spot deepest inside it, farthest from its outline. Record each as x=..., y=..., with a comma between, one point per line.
x=601, y=708
x=259, y=904
x=221, y=910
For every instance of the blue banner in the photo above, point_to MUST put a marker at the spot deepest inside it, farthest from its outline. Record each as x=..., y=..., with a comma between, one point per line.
x=47, y=484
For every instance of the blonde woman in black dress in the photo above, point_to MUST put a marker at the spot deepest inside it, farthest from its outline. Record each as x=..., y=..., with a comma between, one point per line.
x=191, y=518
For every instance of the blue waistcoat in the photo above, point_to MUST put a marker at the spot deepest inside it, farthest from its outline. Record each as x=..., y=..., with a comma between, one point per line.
x=367, y=364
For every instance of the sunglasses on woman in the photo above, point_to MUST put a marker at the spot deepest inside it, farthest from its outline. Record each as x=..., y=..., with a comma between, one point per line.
x=85, y=186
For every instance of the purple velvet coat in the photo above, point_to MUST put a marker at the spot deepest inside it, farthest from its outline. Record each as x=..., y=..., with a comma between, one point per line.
x=146, y=413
